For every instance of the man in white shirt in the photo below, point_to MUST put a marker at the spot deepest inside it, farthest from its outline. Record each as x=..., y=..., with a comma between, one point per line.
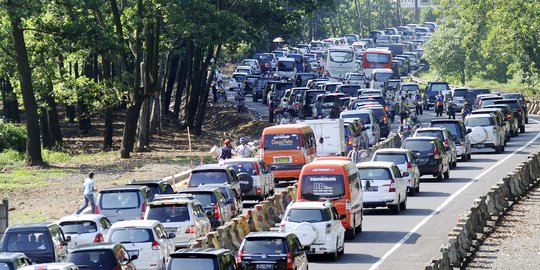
x=243, y=150
x=88, y=193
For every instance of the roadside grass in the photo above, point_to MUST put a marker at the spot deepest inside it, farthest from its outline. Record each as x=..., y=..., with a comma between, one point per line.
x=187, y=161
x=19, y=217
x=28, y=178
x=11, y=159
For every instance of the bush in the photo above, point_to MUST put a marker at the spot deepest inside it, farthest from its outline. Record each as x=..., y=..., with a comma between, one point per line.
x=12, y=137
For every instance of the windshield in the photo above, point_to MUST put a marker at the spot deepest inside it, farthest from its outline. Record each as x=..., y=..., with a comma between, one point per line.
x=418, y=145
x=377, y=58
x=439, y=87
x=381, y=77
x=490, y=101
x=363, y=116
x=264, y=246
x=193, y=262
x=243, y=167
x=205, y=198
x=4, y=266
x=119, y=200
x=307, y=215
x=315, y=187
x=93, y=259
x=396, y=158
x=460, y=93
x=479, y=122
x=429, y=133
x=514, y=104
x=25, y=241
x=169, y=213
x=410, y=88
x=78, y=227
x=286, y=65
x=375, y=174
x=341, y=56
x=513, y=96
x=131, y=235
x=208, y=177
x=356, y=77
x=282, y=141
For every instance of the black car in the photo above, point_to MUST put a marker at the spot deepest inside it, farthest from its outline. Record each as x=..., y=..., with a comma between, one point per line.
x=517, y=109
x=472, y=93
x=521, y=98
x=432, y=90
x=301, y=79
x=271, y=250
x=213, y=200
x=103, y=256
x=214, y=174
x=381, y=115
x=430, y=156
x=249, y=84
x=349, y=90
x=391, y=85
x=459, y=134
x=13, y=260
x=157, y=187
x=202, y=259
x=308, y=102
x=508, y=117
x=260, y=84
x=379, y=99
x=41, y=242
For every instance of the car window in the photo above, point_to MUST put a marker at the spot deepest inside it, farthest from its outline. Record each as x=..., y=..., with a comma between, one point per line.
x=160, y=231
x=131, y=235
x=315, y=187
x=105, y=223
x=204, y=198
x=418, y=145
x=243, y=167
x=452, y=127
x=396, y=172
x=119, y=200
x=168, y=189
x=4, y=266
x=208, y=177
x=308, y=215
x=194, y=263
x=78, y=227
x=375, y=174
x=199, y=211
x=479, y=121
x=363, y=116
x=296, y=247
x=282, y=141
x=429, y=133
x=396, y=158
x=93, y=259
x=264, y=246
x=25, y=241
x=169, y=213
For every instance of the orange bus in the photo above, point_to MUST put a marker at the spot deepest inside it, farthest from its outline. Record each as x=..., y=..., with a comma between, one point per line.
x=338, y=181
x=286, y=148
x=376, y=58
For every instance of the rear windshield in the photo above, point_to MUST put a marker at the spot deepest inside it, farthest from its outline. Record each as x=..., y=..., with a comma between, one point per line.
x=357, y=77
x=396, y=158
x=490, y=101
x=381, y=77
x=513, y=103
x=311, y=96
x=439, y=87
x=264, y=246
x=93, y=259
x=283, y=86
x=282, y=141
x=25, y=241
x=460, y=93
x=243, y=167
x=208, y=177
x=307, y=215
x=286, y=65
x=377, y=58
x=119, y=200
x=169, y=213
x=363, y=116
x=479, y=121
x=331, y=88
x=341, y=56
x=504, y=108
x=349, y=90
x=315, y=187
x=513, y=96
x=205, y=198
x=418, y=145
x=331, y=98
x=4, y=266
x=410, y=88
x=375, y=174
x=239, y=77
x=194, y=263
x=454, y=128
x=78, y=227
x=429, y=133
x=132, y=235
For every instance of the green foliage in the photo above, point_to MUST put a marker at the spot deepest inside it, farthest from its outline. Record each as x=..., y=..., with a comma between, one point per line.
x=13, y=137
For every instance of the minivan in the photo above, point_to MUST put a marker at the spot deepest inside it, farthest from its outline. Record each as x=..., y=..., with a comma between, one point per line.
x=286, y=67
x=369, y=120
x=337, y=180
x=202, y=259
x=123, y=202
x=41, y=242
x=459, y=133
x=379, y=76
x=287, y=148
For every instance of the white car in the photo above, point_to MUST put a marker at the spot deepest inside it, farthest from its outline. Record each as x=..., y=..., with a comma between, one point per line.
x=50, y=266
x=355, y=79
x=368, y=119
x=383, y=185
x=256, y=178
x=84, y=229
x=237, y=81
x=485, y=132
x=254, y=64
x=244, y=69
x=182, y=215
x=406, y=163
x=145, y=238
x=318, y=227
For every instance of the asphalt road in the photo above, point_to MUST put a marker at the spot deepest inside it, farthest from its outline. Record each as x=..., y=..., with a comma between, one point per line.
x=409, y=240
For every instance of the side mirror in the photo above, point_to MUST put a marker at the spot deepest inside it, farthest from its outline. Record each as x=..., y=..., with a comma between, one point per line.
x=208, y=213
x=171, y=235
x=469, y=130
x=133, y=257
x=68, y=239
x=343, y=216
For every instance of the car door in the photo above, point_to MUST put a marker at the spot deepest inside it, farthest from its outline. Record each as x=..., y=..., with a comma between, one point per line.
x=337, y=227
x=445, y=156
x=398, y=178
x=300, y=257
x=60, y=244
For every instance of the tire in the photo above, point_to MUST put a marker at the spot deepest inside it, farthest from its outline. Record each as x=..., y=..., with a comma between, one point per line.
x=395, y=208
x=403, y=205
x=342, y=251
x=246, y=182
x=350, y=233
x=254, y=98
x=411, y=191
x=522, y=129
x=498, y=149
x=446, y=174
x=334, y=255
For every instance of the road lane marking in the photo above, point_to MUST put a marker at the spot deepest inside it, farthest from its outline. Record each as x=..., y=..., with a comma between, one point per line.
x=447, y=201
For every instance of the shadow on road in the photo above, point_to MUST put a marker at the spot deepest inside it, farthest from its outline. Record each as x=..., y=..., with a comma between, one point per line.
x=383, y=237
x=432, y=194
x=347, y=258
x=388, y=212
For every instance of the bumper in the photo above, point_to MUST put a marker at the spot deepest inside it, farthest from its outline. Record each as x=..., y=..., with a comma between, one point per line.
x=286, y=171
x=320, y=249
x=153, y=264
x=253, y=192
x=483, y=145
x=429, y=168
x=382, y=203
x=184, y=243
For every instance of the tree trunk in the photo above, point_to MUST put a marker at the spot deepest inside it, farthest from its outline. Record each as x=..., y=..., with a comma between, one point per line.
x=44, y=128
x=52, y=116
x=172, y=78
x=108, y=115
x=33, y=145
x=359, y=16
x=181, y=74
x=204, y=100
x=10, y=102
x=368, y=4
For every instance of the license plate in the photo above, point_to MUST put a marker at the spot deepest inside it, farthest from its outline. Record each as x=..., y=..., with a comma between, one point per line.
x=479, y=145
x=133, y=252
x=282, y=160
x=421, y=160
x=264, y=267
x=373, y=188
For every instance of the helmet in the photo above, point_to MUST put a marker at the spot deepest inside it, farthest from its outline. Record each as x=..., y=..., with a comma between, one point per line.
x=227, y=141
x=242, y=140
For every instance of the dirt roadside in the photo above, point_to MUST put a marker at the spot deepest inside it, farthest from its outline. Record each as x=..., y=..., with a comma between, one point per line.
x=59, y=185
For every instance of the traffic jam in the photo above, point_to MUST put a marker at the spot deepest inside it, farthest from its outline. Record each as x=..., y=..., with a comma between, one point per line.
x=331, y=101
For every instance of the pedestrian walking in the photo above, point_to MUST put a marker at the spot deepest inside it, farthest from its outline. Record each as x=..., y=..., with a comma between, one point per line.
x=214, y=92
x=354, y=154
x=451, y=109
x=403, y=110
x=225, y=152
x=439, y=99
x=418, y=102
x=243, y=150
x=88, y=194
x=465, y=111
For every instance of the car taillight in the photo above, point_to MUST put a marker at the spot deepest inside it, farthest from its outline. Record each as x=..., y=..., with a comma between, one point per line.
x=349, y=141
x=409, y=166
x=98, y=238
x=436, y=153
x=392, y=186
x=155, y=245
x=290, y=264
x=143, y=210
x=446, y=146
x=239, y=258
x=216, y=211
x=328, y=228
x=385, y=119
x=282, y=227
x=190, y=229
x=96, y=210
x=509, y=116
x=386, y=108
x=115, y=268
x=259, y=190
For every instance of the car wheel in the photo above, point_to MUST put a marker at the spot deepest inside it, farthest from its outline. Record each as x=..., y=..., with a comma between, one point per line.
x=447, y=174
x=342, y=251
x=403, y=205
x=502, y=149
x=522, y=129
x=334, y=255
x=411, y=191
x=498, y=149
x=417, y=189
x=254, y=98
x=350, y=233
x=395, y=208
x=454, y=164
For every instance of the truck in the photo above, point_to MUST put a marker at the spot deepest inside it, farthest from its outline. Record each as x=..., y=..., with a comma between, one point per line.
x=329, y=136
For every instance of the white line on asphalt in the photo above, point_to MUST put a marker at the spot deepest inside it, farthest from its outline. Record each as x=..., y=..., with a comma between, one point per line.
x=447, y=201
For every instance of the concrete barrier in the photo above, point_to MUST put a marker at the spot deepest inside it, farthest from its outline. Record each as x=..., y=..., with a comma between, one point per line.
x=254, y=224
x=232, y=235
x=482, y=217
x=213, y=241
x=223, y=237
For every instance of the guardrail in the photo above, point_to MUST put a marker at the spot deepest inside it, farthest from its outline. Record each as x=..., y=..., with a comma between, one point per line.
x=475, y=224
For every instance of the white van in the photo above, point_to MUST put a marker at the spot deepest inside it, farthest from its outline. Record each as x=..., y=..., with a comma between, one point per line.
x=368, y=119
x=286, y=67
x=339, y=61
x=329, y=136
x=379, y=76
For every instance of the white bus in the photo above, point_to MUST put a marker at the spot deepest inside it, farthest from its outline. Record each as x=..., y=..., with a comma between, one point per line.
x=339, y=61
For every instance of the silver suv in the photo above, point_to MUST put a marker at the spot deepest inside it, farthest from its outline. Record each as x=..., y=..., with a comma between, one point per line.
x=256, y=178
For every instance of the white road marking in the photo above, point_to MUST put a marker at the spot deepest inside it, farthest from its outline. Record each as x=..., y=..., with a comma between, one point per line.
x=447, y=201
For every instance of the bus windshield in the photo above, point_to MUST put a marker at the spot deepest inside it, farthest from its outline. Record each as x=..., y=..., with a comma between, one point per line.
x=377, y=58
x=341, y=56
